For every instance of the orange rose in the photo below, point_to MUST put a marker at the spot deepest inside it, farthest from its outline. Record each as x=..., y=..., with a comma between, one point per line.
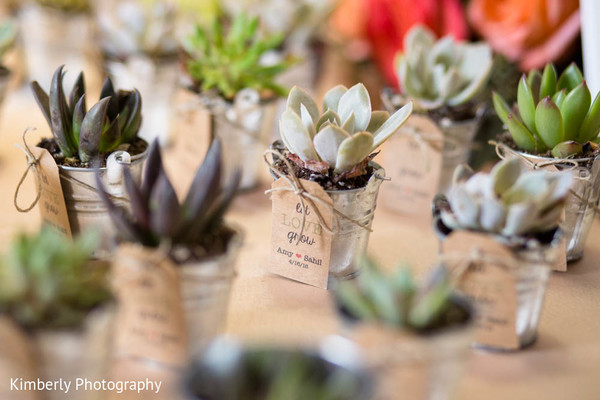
x=377, y=27
x=530, y=32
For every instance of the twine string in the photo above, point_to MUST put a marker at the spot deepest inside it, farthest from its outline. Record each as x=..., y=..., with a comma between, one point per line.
x=295, y=186
x=32, y=162
x=502, y=150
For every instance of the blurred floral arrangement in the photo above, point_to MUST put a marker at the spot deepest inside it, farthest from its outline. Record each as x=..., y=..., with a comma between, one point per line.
x=530, y=33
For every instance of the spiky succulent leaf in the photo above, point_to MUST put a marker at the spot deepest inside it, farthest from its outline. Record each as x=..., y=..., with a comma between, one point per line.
x=91, y=130
x=549, y=81
x=41, y=97
x=60, y=124
x=590, y=127
x=570, y=78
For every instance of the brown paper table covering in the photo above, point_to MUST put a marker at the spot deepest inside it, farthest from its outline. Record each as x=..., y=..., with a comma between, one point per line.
x=563, y=364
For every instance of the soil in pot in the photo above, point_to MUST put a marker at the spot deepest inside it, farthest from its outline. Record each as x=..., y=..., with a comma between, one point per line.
x=324, y=176
x=135, y=148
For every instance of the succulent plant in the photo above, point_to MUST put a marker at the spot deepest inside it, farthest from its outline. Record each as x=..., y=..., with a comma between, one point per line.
x=133, y=28
x=552, y=112
x=510, y=201
x=156, y=216
x=8, y=34
x=344, y=133
x=45, y=281
x=113, y=121
x=227, y=372
x=297, y=20
x=443, y=72
x=67, y=5
x=395, y=300
x=229, y=62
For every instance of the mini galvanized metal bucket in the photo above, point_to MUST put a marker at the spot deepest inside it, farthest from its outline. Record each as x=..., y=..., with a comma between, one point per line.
x=350, y=241
x=75, y=353
x=84, y=207
x=205, y=290
x=244, y=127
x=415, y=366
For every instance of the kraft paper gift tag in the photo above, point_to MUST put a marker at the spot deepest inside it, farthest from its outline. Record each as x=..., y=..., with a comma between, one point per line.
x=414, y=167
x=150, y=320
x=53, y=209
x=308, y=260
x=490, y=285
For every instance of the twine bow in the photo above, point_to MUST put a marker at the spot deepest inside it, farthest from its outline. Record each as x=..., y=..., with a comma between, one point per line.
x=502, y=149
x=296, y=187
x=32, y=162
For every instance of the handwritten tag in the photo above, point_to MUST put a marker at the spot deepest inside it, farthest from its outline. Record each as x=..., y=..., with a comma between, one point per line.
x=150, y=319
x=490, y=285
x=53, y=208
x=306, y=261
x=415, y=167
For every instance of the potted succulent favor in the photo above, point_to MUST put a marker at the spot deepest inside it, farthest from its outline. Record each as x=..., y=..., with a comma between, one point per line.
x=327, y=153
x=104, y=137
x=445, y=80
x=141, y=50
x=58, y=32
x=63, y=305
x=299, y=21
x=228, y=371
x=416, y=339
x=8, y=34
x=190, y=236
x=500, y=233
x=226, y=69
x=555, y=125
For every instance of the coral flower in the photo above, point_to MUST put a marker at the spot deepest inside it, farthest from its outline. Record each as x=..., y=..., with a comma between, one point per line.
x=530, y=32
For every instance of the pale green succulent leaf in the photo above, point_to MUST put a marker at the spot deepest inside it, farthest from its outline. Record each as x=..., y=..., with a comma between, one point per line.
x=501, y=107
x=392, y=125
x=519, y=219
x=591, y=123
x=520, y=134
x=332, y=98
x=295, y=135
x=356, y=101
x=566, y=149
x=307, y=121
x=534, y=81
x=475, y=68
x=492, y=216
x=328, y=116
x=549, y=122
x=299, y=96
x=377, y=119
x=349, y=125
x=327, y=143
x=574, y=110
x=526, y=104
x=505, y=174
x=570, y=78
x=559, y=97
x=419, y=36
x=353, y=150
x=549, y=80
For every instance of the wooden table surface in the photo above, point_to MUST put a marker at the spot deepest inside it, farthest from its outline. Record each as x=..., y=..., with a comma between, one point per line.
x=563, y=364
